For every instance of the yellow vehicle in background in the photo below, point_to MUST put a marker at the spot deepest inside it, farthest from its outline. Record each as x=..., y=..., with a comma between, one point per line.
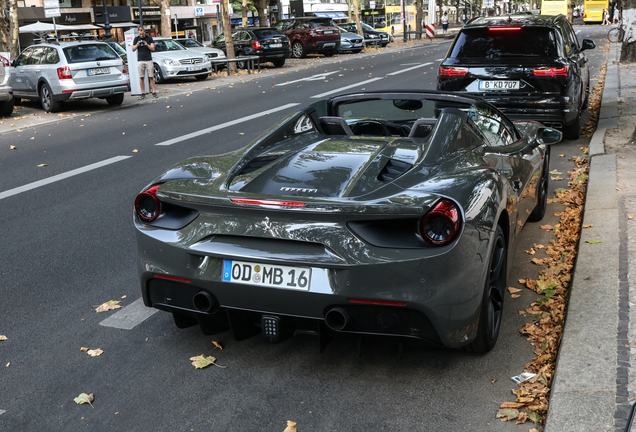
x=593, y=10
x=558, y=7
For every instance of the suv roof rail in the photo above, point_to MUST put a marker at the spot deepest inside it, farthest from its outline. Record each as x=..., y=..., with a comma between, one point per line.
x=47, y=38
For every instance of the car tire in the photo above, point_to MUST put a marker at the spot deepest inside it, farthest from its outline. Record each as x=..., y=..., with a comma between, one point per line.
x=542, y=200
x=572, y=131
x=6, y=108
x=357, y=51
x=384, y=45
x=158, y=74
x=201, y=77
x=491, y=309
x=298, y=50
x=116, y=99
x=586, y=95
x=47, y=101
x=241, y=64
x=279, y=63
x=331, y=53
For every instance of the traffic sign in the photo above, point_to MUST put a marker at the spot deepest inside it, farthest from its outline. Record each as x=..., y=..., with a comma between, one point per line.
x=52, y=13
x=51, y=4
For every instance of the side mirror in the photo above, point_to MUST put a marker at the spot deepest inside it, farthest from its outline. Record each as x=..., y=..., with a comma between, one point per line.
x=587, y=44
x=13, y=63
x=549, y=136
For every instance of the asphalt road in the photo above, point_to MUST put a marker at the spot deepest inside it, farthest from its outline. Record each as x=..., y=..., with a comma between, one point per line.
x=68, y=246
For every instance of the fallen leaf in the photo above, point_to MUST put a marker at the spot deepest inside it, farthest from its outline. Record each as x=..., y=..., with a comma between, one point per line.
x=202, y=361
x=42, y=165
x=513, y=290
x=3, y=338
x=291, y=426
x=494, y=380
x=511, y=405
x=84, y=398
x=84, y=349
x=123, y=296
x=592, y=241
x=168, y=106
x=8, y=364
x=12, y=147
x=515, y=295
x=630, y=217
x=95, y=352
x=587, y=225
x=546, y=227
x=135, y=151
x=507, y=414
x=241, y=133
x=562, y=155
x=217, y=345
x=535, y=418
x=522, y=281
x=109, y=305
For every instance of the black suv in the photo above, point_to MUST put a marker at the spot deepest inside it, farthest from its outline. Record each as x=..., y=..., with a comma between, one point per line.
x=311, y=35
x=530, y=67
x=268, y=43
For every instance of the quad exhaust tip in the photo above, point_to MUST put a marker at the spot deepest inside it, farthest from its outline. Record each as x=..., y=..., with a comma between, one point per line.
x=337, y=318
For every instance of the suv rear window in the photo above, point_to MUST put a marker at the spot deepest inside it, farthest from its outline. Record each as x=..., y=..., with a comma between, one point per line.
x=89, y=53
x=485, y=43
x=267, y=33
x=321, y=22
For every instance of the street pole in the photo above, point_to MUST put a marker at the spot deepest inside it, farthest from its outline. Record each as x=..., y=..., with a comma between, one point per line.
x=176, y=29
x=141, y=18
x=403, y=4
x=107, y=27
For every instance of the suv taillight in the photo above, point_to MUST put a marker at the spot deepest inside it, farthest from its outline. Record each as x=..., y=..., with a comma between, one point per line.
x=256, y=45
x=125, y=69
x=452, y=71
x=64, y=73
x=551, y=72
x=442, y=223
x=4, y=61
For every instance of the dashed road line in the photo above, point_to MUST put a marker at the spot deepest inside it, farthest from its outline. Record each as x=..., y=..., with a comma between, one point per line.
x=224, y=125
x=2, y=412
x=346, y=87
x=409, y=69
x=130, y=317
x=317, y=77
x=61, y=176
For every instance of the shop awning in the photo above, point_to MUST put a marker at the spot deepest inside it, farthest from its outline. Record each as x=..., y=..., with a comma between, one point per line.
x=120, y=25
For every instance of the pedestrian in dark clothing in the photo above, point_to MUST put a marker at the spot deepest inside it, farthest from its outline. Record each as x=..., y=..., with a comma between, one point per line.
x=145, y=45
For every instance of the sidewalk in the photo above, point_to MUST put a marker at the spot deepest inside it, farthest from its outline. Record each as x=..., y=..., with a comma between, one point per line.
x=595, y=378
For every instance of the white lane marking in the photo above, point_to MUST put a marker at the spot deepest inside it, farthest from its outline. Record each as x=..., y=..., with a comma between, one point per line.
x=2, y=412
x=318, y=77
x=409, y=64
x=224, y=125
x=130, y=316
x=409, y=69
x=439, y=59
x=62, y=176
x=346, y=87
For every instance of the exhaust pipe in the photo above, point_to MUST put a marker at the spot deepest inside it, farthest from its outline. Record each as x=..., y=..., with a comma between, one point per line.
x=203, y=301
x=337, y=318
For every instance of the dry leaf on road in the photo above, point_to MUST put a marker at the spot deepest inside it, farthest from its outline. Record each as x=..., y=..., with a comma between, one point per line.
x=12, y=147
x=109, y=305
x=41, y=165
x=95, y=352
x=291, y=426
x=84, y=349
x=85, y=398
x=3, y=338
x=202, y=361
x=217, y=345
x=513, y=290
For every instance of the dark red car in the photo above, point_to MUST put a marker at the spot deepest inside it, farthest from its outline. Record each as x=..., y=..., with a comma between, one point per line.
x=311, y=35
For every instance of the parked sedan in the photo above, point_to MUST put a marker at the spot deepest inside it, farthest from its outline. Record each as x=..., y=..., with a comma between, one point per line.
x=195, y=45
x=268, y=43
x=374, y=213
x=55, y=72
x=370, y=34
x=350, y=41
x=171, y=60
x=6, y=94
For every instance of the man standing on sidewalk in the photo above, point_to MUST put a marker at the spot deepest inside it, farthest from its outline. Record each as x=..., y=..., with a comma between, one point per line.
x=144, y=45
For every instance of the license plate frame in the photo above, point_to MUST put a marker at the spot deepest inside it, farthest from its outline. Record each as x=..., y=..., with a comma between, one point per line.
x=194, y=68
x=98, y=71
x=266, y=275
x=499, y=85
x=276, y=45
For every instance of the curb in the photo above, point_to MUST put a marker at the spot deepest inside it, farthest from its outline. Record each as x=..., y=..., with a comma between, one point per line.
x=583, y=395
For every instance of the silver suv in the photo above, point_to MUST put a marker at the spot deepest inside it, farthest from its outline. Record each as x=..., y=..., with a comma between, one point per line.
x=6, y=98
x=54, y=72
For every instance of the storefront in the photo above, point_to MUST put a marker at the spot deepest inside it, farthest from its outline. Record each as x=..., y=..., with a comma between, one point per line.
x=80, y=21
x=197, y=22
x=152, y=19
x=119, y=18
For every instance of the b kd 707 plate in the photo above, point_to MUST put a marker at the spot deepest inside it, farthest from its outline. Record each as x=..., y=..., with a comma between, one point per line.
x=498, y=85
x=268, y=275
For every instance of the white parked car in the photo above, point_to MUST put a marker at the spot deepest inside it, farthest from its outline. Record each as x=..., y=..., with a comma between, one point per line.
x=193, y=44
x=174, y=61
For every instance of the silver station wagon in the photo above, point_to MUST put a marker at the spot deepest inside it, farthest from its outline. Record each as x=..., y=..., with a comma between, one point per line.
x=54, y=72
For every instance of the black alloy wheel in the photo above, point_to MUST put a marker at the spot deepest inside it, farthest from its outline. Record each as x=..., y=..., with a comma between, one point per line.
x=542, y=201
x=492, y=302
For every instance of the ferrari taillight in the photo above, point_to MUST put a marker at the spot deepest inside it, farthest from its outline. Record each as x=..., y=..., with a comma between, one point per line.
x=256, y=45
x=442, y=223
x=452, y=71
x=64, y=73
x=147, y=205
x=551, y=72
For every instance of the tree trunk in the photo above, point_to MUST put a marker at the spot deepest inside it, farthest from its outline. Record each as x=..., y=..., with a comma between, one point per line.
x=260, y=6
x=628, y=51
x=9, y=28
x=15, y=31
x=419, y=4
x=166, y=27
x=227, y=32
x=354, y=3
x=244, y=12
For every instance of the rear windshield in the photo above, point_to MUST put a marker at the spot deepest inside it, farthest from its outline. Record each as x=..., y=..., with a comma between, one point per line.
x=89, y=53
x=491, y=44
x=322, y=22
x=264, y=33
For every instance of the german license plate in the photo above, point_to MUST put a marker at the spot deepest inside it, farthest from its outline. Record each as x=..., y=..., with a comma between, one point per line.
x=498, y=85
x=194, y=68
x=328, y=32
x=275, y=45
x=268, y=275
x=98, y=71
